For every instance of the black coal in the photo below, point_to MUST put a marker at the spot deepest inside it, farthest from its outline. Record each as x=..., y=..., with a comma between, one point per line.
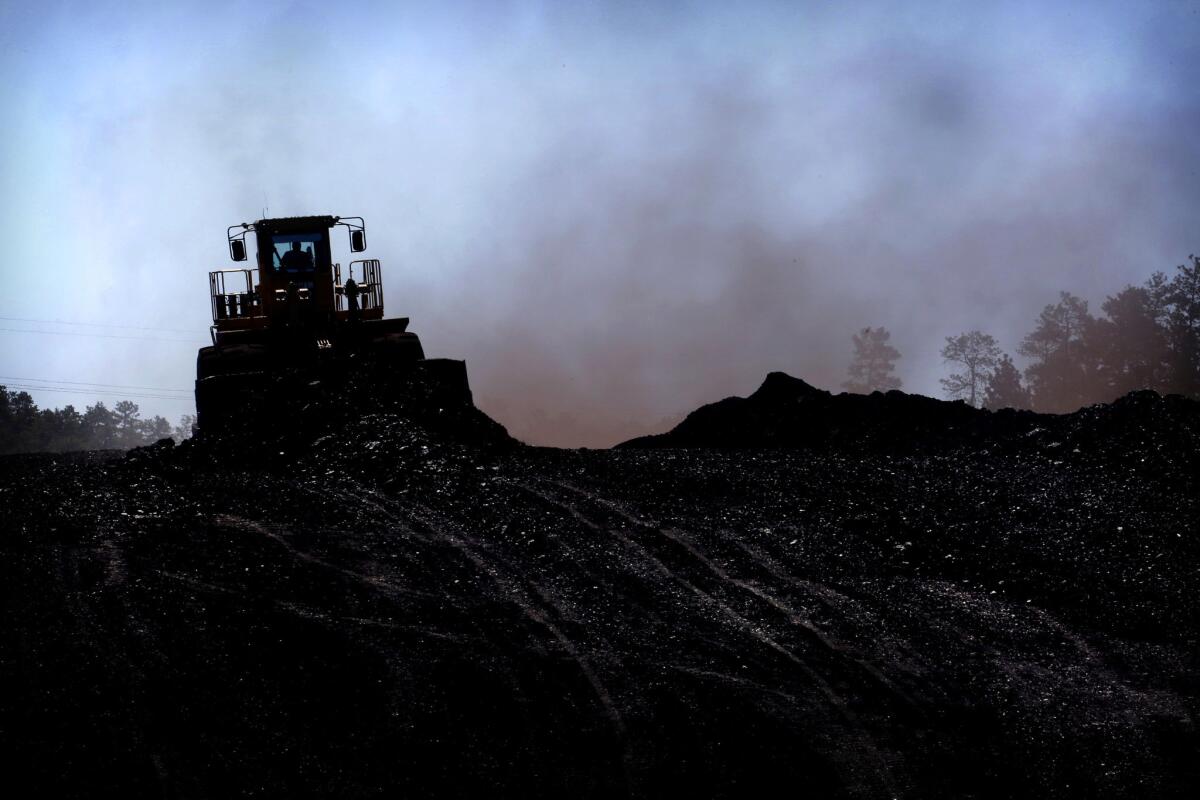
x=884, y=596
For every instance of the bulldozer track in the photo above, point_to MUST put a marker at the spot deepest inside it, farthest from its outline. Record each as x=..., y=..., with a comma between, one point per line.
x=523, y=593
x=881, y=765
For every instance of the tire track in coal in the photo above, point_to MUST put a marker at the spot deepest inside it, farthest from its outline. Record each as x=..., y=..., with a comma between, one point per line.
x=881, y=764
x=793, y=617
x=833, y=645
x=843, y=606
x=390, y=511
x=597, y=568
x=243, y=524
x=378, y=584
x=982, y=626
x=395, y=595
x=400, y=516
x=518, y=590
x=310, y=613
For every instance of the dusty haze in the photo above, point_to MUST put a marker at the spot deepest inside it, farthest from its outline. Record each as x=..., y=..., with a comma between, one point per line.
x=613, y=212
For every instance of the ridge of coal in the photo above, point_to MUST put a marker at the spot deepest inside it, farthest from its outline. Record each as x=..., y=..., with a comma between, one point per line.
x=787, y=412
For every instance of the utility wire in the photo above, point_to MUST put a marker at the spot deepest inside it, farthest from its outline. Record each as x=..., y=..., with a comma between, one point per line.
x=94, y=324
x=91, y=383
x=100, y=335
x=93, y=392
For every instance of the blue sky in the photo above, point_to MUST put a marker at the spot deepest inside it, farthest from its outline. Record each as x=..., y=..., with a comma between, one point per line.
x=612, y=211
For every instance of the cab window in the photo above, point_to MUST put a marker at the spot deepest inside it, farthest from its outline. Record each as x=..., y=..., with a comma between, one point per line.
x=295, y=252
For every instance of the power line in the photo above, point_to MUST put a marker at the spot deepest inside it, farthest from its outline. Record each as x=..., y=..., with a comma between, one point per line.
x=93, y=392
x=94, y=324
x=99, y=335
x=87, y=383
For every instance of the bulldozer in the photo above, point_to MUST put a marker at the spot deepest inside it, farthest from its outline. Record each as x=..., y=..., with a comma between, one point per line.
x=298, y=329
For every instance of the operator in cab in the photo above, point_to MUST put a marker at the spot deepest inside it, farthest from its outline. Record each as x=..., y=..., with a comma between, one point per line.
x=296, y=260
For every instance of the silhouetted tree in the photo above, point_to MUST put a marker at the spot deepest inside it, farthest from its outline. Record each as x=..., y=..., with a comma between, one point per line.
x=1158, y=288
x=63, y=429
x=1004, y=387
x=154, y=429
x=128, y=433
x=101, y=426
x=184, y=429
x=24, y=428
x=1182, y=300
x=874, y=361
x=1129, y=344
x=1061, y=374
x=20, y=418
x=977, y=355
x=9, y=429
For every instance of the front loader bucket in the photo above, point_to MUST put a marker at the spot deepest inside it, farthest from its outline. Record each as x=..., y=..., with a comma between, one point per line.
x=259, y=389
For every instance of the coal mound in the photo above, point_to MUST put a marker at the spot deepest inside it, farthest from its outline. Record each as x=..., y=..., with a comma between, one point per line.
x=787, y=412
x=388, y=596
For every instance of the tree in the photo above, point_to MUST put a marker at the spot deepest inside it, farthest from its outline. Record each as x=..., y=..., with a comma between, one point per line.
x=15, y=421
x=154, y=429
x=100, y=425
x=1182, y=298
x=62, y=429
x=1004, y=387
x=24, y=428
x=977, y=354
x=874, y=361
x=19, y=416
x=1061, y=375
x=6, y=424
x=1129, y=346
x=128, y=426
x=1158, y=289
x=184, y=429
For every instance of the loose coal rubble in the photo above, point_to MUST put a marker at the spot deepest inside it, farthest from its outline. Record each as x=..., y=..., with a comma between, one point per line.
x=838, y=596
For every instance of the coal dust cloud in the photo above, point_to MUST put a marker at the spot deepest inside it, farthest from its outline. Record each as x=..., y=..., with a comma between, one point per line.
x=613, y=211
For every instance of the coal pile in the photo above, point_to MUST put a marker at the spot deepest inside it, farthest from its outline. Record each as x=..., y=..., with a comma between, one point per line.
x=397, y=599
x=786, y=412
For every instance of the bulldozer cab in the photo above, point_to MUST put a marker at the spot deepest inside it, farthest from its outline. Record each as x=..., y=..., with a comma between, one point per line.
x=295, y=280
x=294, y=256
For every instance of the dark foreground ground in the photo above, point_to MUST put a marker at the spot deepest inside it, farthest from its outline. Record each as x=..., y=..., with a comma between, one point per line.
x=387, y=612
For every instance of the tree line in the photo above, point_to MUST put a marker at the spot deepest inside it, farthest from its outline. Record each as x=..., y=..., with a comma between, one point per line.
x=1147, y=337
x=24, y=428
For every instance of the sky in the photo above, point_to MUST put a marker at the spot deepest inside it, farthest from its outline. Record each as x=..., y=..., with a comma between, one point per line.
x=613, y=211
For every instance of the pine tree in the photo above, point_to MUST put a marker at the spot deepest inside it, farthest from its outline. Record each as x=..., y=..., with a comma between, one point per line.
x=100, y=426
x=1183, y=325
x=24, y=428
x=1061, y=376
x=70, y=433
x=153, y=429
x=20, y=415
x=184, y=429
x=874, y=362
x=1129, y=345
x=977, y=354
x=128, y=433
x=1004, y=387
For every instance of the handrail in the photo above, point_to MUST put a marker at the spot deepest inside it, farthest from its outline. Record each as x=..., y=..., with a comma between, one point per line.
x=370, y=287
x=233, y=304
